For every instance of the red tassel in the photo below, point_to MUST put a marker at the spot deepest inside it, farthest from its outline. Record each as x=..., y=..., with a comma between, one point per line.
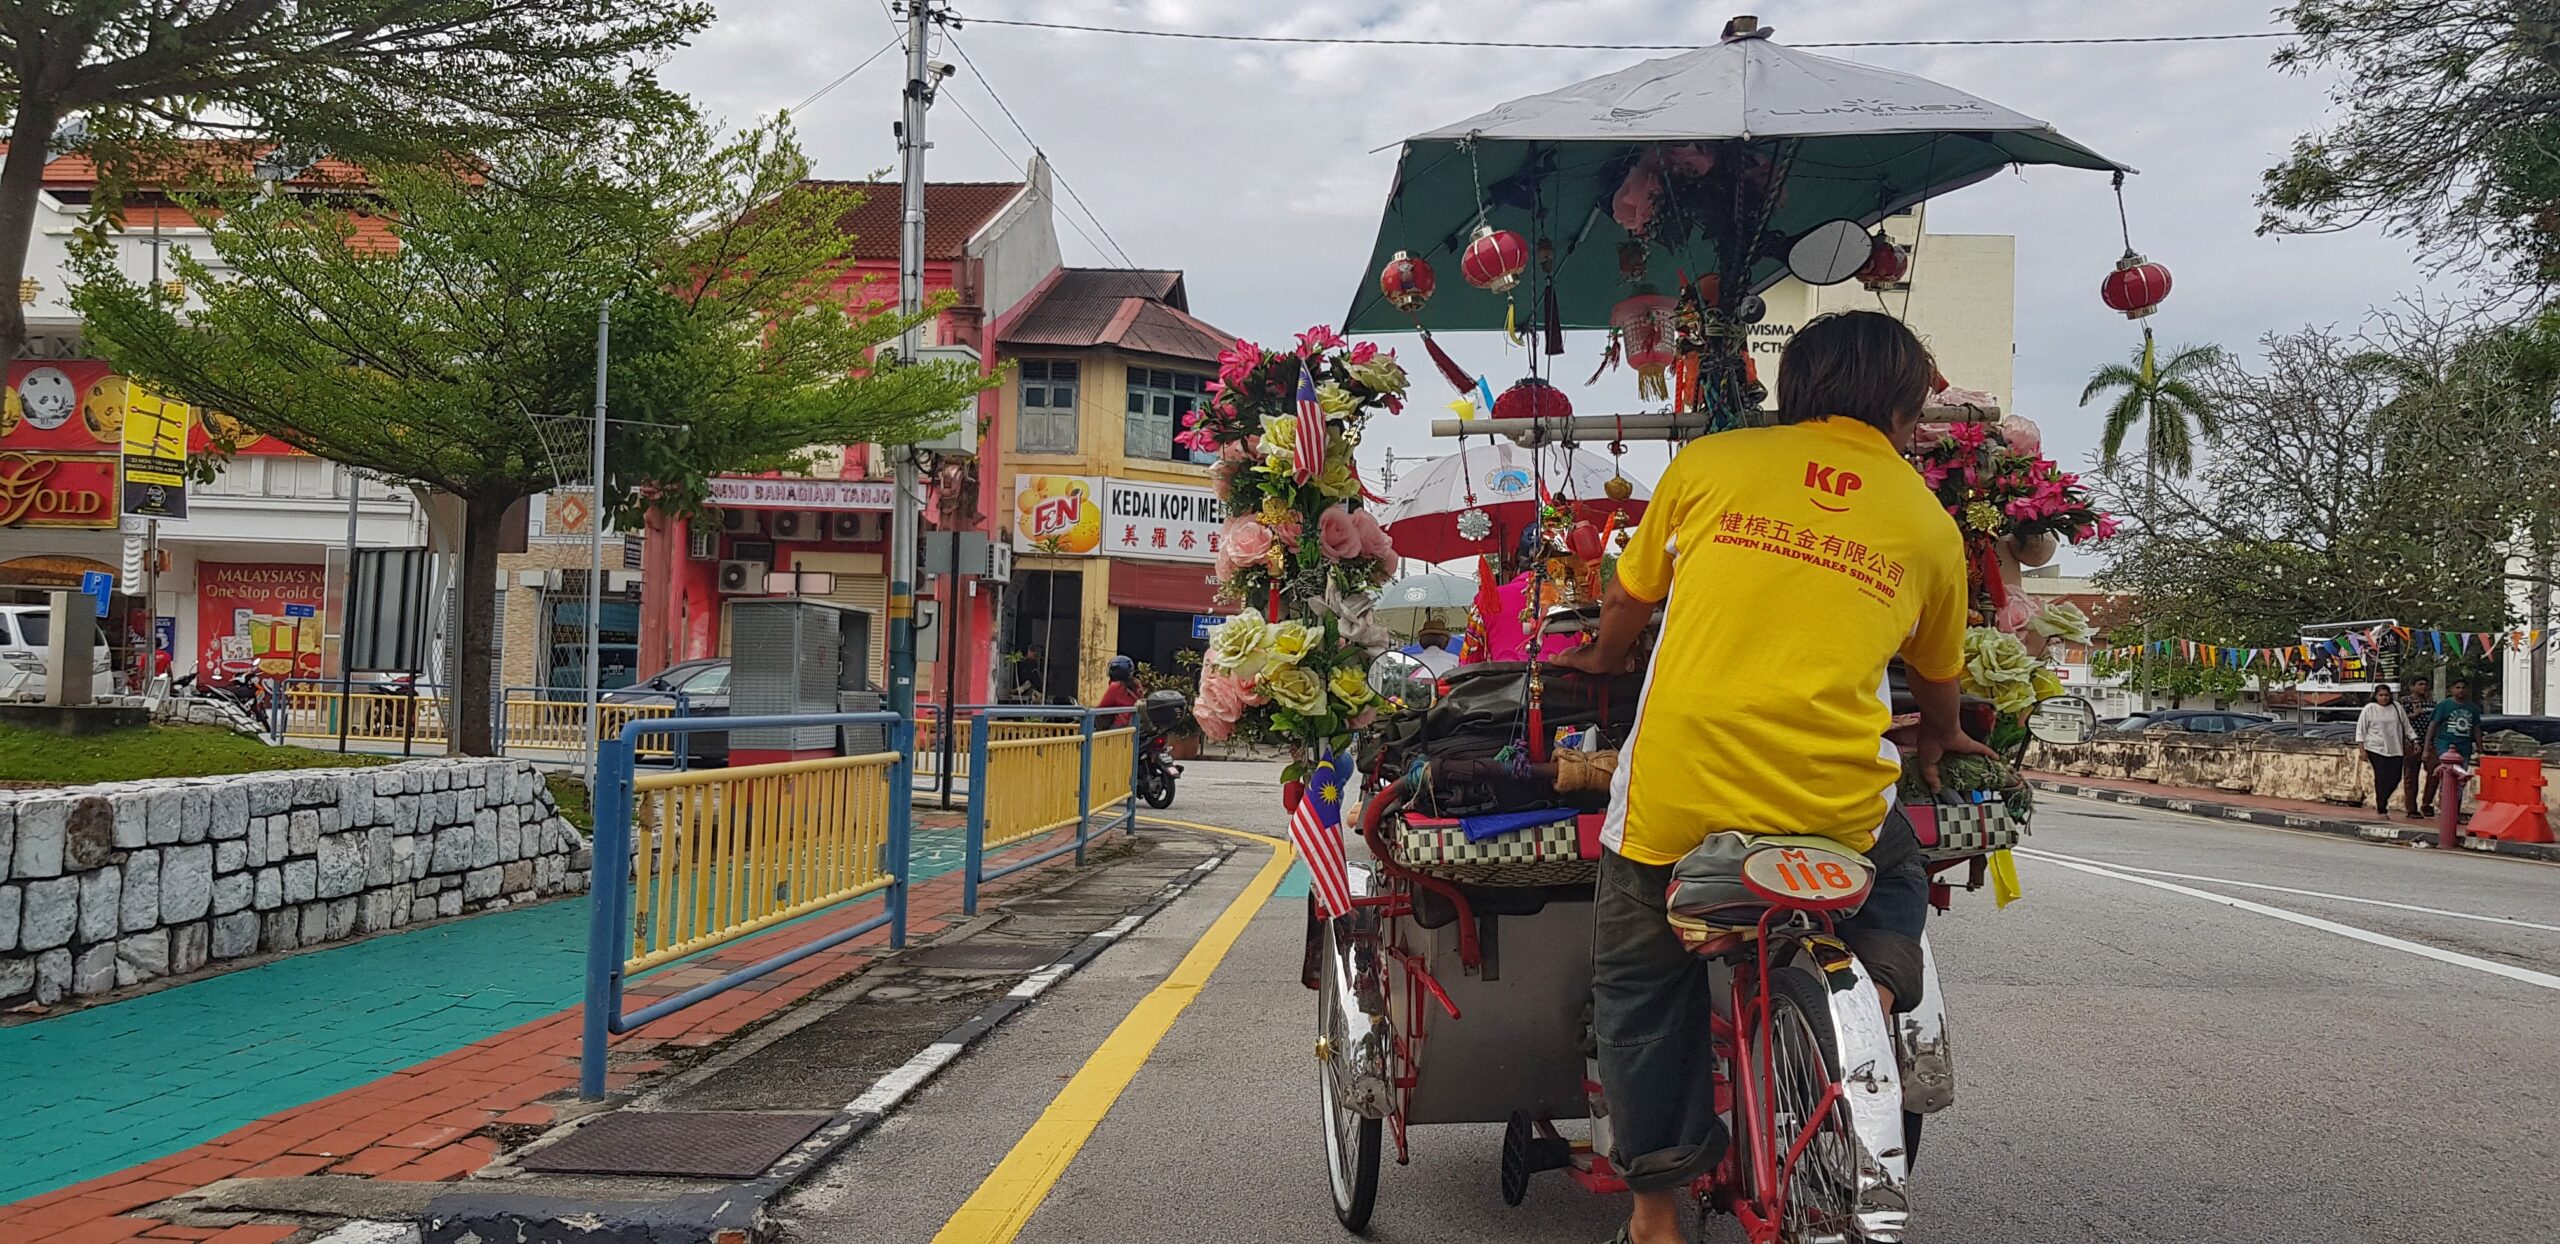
x=1987, y=563
x=1456, y=376
x=1538, y=725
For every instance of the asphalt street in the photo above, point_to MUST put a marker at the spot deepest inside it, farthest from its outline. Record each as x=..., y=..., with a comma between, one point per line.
x=2365, y=1052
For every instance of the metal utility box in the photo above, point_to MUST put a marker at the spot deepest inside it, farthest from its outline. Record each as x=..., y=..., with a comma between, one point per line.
x=792, y=657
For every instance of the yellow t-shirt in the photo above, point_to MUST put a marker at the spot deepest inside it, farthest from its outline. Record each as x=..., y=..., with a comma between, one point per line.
x=1798, y=560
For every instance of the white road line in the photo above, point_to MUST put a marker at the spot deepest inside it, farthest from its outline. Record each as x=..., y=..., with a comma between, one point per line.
x=2367, y=936
x=2510, y=921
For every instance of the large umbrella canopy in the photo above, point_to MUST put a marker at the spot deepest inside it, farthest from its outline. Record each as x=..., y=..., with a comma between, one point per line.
x=1405, y=605
x=1502, y=480
x=1846, y=142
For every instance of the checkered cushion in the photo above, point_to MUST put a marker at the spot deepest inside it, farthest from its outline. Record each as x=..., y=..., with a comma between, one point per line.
x=1539, y=855
x=1968, y=829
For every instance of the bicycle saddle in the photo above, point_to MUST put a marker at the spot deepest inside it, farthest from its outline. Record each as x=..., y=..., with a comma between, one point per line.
x=1720, y=890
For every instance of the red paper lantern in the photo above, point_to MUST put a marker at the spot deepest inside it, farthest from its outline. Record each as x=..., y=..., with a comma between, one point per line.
x=2136, y=287
x=1646, y=328
x=1886, y=264
x=1495, y=259
x=1532, y=398
x=1407, y=282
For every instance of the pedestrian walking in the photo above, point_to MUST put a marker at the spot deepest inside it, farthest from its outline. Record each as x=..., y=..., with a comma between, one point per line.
x=2454, y=727
x=2382, y=729
x=2418, y=766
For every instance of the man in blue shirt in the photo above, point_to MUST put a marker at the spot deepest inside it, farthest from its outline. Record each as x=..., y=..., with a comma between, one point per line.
x=2454, y=726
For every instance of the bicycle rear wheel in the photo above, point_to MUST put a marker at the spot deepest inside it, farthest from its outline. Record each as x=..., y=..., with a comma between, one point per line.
x=1820, y=1190
x=1352, y=1142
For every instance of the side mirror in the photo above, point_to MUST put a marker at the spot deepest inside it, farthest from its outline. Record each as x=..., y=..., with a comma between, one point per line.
x=2063, y=720
x=1402, y=678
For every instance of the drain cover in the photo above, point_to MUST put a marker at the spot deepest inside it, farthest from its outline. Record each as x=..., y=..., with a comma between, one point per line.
x=986, y=956
x=711, y=1144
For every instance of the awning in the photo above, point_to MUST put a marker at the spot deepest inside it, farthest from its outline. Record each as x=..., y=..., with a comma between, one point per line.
x=1176, y=587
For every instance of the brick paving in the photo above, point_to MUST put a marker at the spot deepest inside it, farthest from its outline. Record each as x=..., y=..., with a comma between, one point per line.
x=423, y=1121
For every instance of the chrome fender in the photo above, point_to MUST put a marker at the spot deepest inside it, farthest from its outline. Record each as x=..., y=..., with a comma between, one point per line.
x=1928, y=1062
x=1357, y=979
x=1871, y=1083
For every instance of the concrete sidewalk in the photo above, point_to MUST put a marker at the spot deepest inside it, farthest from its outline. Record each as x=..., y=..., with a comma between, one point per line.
x=2322, y=818
x=485, y=1085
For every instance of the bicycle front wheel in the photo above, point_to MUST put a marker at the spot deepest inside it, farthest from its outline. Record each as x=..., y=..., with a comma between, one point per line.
x=1819, y=1190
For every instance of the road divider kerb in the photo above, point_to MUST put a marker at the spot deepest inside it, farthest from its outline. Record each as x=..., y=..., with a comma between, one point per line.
x=2273, y=818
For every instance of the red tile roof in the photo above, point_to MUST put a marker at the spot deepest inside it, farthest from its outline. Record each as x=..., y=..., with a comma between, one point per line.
x=954, y=211
x=75, y=171
x=1130, y=308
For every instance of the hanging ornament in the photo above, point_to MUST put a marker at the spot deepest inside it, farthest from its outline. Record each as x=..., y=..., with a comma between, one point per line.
x=1532, y=398
x=1474, y=524
x=2136, y=287
x=1583, y=541
x=1887, y=264
x=1618, y=488
x=1495, y=259
x=1645, y=324
x=1407, y=282
x=1631, y=259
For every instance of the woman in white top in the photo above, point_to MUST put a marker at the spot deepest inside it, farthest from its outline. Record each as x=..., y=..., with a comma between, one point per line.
x=2382, y=730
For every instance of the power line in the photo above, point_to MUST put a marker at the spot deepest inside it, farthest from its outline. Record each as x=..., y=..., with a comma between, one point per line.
x=1207, y=36
x=1054, y=170
x=847, y=75
x=1008, y=156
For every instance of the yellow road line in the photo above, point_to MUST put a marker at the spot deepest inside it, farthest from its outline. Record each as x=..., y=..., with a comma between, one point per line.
x=1246, y=834
x=997, y=1211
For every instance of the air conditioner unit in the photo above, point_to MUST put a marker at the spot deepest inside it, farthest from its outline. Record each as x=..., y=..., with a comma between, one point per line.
x=743, y=578
x=795, y=525
x=547, y=580
x=701, y=544
x=853, y=526
x=742, y=522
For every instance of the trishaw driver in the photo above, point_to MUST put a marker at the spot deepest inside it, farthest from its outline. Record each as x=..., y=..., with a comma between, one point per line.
x=1797, y=561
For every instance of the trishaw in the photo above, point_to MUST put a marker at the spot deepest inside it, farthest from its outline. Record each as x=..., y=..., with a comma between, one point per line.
x=1457, y=989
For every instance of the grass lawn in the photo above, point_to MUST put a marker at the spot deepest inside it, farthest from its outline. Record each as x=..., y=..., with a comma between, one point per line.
x=37, y=756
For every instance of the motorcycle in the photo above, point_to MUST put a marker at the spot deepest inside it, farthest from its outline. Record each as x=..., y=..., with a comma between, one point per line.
x=1159, y=715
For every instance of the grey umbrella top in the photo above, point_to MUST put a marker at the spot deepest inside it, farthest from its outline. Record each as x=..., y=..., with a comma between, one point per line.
x=1748, y=87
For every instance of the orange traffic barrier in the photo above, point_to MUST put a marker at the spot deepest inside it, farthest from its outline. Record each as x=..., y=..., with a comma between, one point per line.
x=2511, y=804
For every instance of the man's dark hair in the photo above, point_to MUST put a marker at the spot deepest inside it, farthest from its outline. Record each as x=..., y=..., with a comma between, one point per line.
x=1865, y=365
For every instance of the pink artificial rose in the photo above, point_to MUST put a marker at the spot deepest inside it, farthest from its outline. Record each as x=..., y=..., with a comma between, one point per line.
x=2023, y=436
x=1244, y=539
x=1632, y=207
x=1234, y=452
x=1290, y=532
x=1339, y=535
x=2021, y=610
x=1366, y=718
x=1219, y=707
x=1373, y=538
x=1695, y=159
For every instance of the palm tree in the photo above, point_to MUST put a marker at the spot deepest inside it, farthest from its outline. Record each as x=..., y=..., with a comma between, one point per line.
x=2164, y=399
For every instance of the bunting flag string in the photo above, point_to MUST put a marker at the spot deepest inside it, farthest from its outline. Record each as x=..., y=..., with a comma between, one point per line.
x=2439, y=643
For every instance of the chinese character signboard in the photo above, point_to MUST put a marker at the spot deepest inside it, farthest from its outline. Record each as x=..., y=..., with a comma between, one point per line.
x=258, y=618
x=1057, y=514
x=1172, y=522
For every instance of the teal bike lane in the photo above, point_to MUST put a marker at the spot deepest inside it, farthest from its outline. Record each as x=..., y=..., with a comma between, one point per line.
x=94, y=1090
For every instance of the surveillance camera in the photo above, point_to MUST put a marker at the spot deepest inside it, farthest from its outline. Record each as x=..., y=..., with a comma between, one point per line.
x=942, y=69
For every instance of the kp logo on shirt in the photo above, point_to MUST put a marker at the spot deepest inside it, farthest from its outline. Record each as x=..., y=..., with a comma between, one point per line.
x=1831, y=480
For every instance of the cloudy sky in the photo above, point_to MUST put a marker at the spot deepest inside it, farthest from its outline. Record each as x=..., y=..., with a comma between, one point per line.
x=1251, y=167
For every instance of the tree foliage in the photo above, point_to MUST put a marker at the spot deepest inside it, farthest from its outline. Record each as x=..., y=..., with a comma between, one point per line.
x=2356, y=477
x=2160, y=396
x=443, y=334
x=2450, y=128
x=377, y=81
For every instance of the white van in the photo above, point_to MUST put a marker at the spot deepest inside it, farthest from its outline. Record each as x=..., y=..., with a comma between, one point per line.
x=24, y=630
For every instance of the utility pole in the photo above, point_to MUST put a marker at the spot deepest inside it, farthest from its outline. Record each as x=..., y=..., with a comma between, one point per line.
x=922, y=75
x=595, y=548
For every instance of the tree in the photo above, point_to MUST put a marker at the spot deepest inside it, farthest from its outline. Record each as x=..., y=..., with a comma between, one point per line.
x=456, y=353
x=2450, y=129
x=374, y=80
x=2163, y=398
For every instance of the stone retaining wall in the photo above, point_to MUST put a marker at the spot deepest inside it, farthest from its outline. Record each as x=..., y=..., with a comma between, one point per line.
x=2274, y=766
x=108, y=886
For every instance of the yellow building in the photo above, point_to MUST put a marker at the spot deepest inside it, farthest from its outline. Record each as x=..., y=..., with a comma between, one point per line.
x=1113, y=525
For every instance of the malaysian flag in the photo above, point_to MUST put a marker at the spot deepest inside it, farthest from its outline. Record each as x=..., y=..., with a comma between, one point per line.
x=1315, y=828
x=1310, y=429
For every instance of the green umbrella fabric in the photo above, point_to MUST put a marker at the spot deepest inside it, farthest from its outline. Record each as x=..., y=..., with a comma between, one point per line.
x=1851, y=142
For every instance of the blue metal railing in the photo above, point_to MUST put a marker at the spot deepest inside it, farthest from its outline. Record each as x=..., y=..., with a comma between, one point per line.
x=1016, y=787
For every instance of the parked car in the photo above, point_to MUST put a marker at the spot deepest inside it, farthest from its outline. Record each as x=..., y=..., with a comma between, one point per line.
x=704, y=688
x=2544, y=730
x=2189, y=720
x=24, y=631
x=2278, y=727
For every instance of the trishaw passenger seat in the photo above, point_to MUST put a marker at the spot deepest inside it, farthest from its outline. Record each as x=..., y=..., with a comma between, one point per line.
x=1432, y=911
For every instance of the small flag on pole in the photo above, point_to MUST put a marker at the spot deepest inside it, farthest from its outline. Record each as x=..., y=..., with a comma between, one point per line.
x=1315, y=828
x=1310, y=429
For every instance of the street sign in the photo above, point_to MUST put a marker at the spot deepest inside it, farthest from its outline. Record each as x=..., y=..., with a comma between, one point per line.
x=155, y=453
x=302, y=611
x=1203, y=623
x=97, y=585
x=386, y=623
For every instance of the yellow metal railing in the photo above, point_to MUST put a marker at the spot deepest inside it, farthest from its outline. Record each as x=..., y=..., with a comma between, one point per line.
x=719, y=854
x=371, y=716
x=542, y=723
x=929, y=741
x=1030, y=785
x=1114, y=755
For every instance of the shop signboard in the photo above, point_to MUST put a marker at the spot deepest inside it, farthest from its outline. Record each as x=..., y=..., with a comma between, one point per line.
x=1058, y=515
x=1169, y=522
x=756, y=492
x=44, y=489
x=155, y=452
x=246, y=621
x=64, y=405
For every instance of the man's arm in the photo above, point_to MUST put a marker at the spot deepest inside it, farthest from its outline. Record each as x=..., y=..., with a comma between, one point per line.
x=1623, y=615
x=1942, y=725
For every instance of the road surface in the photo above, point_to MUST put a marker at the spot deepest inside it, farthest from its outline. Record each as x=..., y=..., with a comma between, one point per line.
x=2366, y=1052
